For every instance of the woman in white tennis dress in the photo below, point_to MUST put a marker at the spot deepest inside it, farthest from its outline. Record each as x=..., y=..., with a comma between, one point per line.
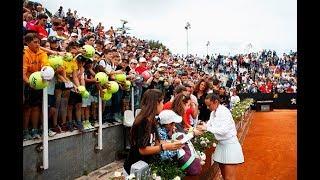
x=228, y=152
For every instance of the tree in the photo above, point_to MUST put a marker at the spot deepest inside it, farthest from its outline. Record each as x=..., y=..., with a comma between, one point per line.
x=157, y=45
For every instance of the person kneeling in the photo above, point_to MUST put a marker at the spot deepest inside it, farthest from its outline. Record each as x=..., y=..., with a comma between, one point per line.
x=186, y=155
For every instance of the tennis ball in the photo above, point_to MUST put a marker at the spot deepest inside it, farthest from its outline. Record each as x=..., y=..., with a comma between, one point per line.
x=113, y=87
x=128, y=83
x=86, y=94
x=81, y=89
x=107, y=95
x=89, y=51
x=36, y=81
x=101, y=77
x=120, y=77
x=55, y=61
x=68, y=57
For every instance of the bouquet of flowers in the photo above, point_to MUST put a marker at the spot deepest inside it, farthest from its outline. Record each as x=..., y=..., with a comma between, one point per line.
x=166, y=170
x=204, y=141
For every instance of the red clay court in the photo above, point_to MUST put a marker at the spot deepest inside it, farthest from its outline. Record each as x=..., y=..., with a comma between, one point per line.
x=270, y=147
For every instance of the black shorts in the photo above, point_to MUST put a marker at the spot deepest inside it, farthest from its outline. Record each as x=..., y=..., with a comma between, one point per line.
x=51, y=101
x=74, y=98
x=61, y=85
x=32, y=97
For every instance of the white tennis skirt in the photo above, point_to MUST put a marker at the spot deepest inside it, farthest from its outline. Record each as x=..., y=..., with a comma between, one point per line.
x=228, y=152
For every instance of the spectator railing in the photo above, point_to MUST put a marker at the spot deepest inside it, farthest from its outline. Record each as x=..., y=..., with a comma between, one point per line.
x=45, y=152
x=99, y=147
x=44, y=148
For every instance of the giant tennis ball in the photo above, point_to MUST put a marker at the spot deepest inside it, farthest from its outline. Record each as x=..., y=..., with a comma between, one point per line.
x=113, y=87
x=36, y=81
x=85, y=94
x=68, y=57
x=81, y=89
x=107, y=95
x=55, y=61
x=89, y=51
x=101, y=77
x=120, y=77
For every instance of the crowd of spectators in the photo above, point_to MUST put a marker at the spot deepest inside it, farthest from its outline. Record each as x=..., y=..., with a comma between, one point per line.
x=117, y=52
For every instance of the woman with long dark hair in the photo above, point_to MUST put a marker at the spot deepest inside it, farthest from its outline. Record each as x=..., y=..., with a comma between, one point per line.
x=144, y=139
x=200, y=91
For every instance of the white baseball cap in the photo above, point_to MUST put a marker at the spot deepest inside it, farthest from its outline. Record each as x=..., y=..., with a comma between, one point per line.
x=73, y=34
x=155, y=59
x=142, y=59
x=162, y=65
x=169, y=116
x=134, y=61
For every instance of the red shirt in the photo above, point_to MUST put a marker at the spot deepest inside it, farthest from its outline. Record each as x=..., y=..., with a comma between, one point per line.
x=42, y=32
x=186, y=115
x=186, y=118
x=140, y=69
x=289, y=90
x=269, y=84
x=263, y=89
x=30, y=24
x=167, y=105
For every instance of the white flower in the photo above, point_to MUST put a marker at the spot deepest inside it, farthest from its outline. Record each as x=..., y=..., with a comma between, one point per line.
x=131, y=176
x=214, y=145
x=158, y=178
x=177, y=178
x=202, y=162
x=202, y=142
x=201, y=138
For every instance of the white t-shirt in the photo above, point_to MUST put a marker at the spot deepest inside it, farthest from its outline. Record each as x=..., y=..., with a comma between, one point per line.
x=108, y=68
x=221, y=124
x=51, y=32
